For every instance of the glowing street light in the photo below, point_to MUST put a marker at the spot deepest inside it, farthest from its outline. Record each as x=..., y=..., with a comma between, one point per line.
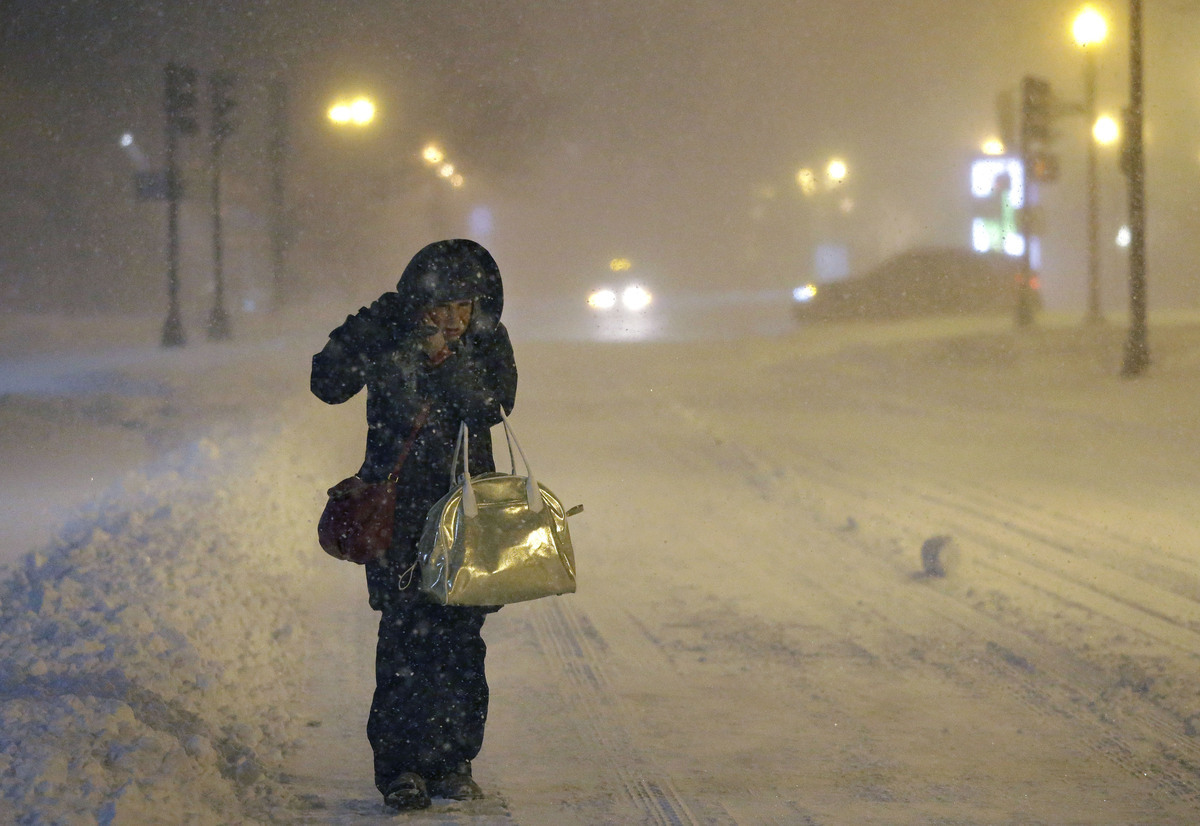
x=807, y=181
x=433, y=154
x=1089, y=27
x=357, y=112
x=837, y=170
x=1106, y=131
x=993, y=147
x=435, y=157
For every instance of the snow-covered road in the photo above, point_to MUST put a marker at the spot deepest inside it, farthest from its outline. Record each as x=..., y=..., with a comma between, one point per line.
x=753, y=640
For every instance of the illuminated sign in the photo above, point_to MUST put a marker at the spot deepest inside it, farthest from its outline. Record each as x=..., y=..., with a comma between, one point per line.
x=1001, y=181
x=987, y=176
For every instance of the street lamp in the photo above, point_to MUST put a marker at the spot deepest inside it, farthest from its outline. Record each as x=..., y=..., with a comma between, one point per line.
x=993, y=147
x=1089, y=27
x=1089, y=30
x=359, y=111
x=433, y=154
x=1106, y=131
x=836, y=170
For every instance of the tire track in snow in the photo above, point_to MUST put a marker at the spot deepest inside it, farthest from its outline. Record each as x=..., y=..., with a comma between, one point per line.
x=568, y=636
x=1049, y=678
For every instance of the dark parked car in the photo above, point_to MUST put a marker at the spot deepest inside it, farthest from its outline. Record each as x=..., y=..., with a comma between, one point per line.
x=920, y=282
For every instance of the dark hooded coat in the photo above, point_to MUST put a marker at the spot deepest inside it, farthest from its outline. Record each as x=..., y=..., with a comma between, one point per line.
x=380, y=348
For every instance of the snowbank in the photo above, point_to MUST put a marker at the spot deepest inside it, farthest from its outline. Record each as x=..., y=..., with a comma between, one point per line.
x=145, y=658
x=148, y=655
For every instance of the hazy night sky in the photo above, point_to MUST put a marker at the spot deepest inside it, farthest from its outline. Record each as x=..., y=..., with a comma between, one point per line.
x=668, y=131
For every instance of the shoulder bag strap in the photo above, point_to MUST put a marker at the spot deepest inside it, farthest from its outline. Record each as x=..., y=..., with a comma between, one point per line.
x=418, y=423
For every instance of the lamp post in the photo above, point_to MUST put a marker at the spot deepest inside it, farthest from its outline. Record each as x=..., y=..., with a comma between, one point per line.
x=277, y=154
x=220, y=128
x=1089, y=30
x=180, y=105
x=1137, y=351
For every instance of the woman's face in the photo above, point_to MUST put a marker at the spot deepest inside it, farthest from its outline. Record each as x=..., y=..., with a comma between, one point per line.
x=450, y=319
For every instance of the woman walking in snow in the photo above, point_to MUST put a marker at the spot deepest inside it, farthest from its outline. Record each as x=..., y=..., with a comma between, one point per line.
x=432, y=354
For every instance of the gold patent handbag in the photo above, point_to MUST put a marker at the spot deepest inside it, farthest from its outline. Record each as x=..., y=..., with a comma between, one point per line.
x=496, y=538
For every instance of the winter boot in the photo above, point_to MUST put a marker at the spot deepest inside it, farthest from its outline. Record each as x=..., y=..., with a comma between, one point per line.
x=407, y=791
x=457, y=784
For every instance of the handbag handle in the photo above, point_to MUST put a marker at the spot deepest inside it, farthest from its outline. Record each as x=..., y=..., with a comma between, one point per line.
x=533, y=493
x=463, y=443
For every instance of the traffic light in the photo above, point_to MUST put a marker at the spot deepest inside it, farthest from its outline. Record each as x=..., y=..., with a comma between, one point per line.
x=221, y=88
x=181, y=97
x=1037, y=110
x=1043, y=167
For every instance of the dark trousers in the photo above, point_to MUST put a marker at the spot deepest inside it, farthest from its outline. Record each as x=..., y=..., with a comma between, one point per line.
x=431, y=695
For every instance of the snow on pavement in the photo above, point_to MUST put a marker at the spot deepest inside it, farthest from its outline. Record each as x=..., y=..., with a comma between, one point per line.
x=753, y=641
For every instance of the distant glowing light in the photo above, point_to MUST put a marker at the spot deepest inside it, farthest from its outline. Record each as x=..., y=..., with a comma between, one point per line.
x=1124, y=237
x=456, y=180
x=620, y=264
x=806, y=293
x=636, y=298
x=433, y=155
x=807, y=180
x=357, y=112
x=837, y=170
x=1106, y=131
x=993, y=146
x=986, y=174
x=446, y=170
x=362, y=111
x=981, y=236
x=127, y=139
x=602, y=300
x=1014, y=244
x=1089, y=27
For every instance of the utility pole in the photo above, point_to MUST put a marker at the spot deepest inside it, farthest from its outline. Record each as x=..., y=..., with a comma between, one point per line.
x=1037, y=118
x=277, y=150
x=1137, y=350
x=220, y=127
x=180, y=101
x=1094, y=313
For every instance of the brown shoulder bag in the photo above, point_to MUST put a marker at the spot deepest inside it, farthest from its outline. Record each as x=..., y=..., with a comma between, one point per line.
x=359, y=518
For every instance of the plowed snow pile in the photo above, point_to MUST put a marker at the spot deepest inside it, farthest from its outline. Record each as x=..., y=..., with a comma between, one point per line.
x=146, y=670
x=148, y=655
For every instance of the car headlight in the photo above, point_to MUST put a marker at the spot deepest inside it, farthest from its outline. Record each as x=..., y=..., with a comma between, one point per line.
x=602, y=300
x=636, y=298
x=803, y=294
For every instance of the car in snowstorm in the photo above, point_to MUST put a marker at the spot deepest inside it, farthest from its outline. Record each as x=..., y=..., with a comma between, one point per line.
x=622, y=312
x=631, y=298
x=929, y=281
